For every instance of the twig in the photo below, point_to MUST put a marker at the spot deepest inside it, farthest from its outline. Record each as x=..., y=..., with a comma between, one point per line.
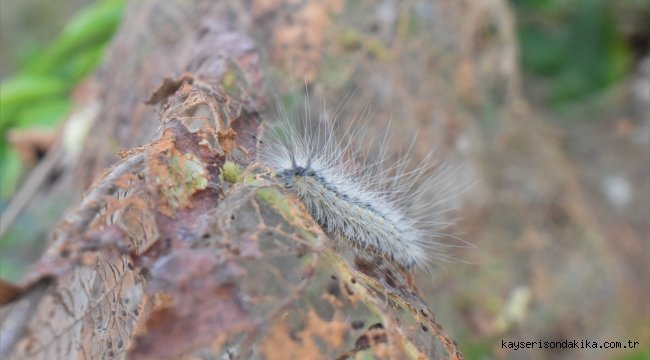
x=29, y=188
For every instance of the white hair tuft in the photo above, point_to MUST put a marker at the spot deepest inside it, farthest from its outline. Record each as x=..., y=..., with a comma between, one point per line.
x=381, y=207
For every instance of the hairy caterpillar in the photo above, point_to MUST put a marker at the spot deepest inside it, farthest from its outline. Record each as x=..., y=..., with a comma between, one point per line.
x=379, y=206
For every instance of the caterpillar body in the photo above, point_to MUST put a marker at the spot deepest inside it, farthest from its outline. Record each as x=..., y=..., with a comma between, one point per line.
x=378, y=206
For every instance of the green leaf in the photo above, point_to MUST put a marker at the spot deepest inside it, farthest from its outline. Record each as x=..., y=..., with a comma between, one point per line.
x=44, y=114
x=94, y=24
x=542, y=52
x=576, y=45
x=84, y=63
x=22, y=91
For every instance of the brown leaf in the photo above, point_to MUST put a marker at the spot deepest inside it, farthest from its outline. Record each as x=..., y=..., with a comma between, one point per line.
x=8, y=292
x=168, y=88
x=32, y=143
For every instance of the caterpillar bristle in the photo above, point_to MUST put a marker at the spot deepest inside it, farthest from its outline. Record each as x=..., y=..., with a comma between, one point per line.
x=380, y=204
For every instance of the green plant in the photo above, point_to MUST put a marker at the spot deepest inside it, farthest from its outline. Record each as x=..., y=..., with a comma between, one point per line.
x=38, y=95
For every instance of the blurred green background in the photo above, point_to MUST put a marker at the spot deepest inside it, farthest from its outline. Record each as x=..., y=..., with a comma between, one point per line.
x=43, y=58
x=578, y=47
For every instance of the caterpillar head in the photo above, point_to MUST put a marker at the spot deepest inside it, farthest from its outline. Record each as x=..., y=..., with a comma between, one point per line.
x=287, y=177
x=295, y=172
